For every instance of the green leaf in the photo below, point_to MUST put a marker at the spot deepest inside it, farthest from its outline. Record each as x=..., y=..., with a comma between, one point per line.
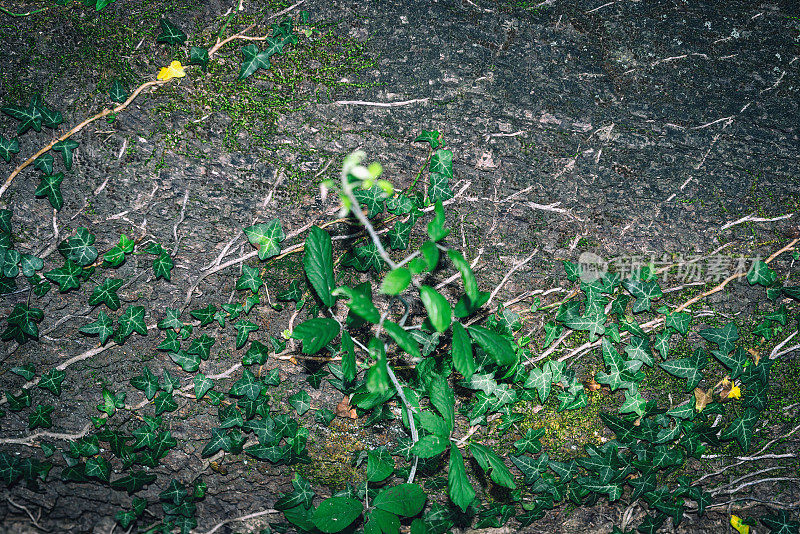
x=171, y=320
x=202, y=384
x=250, y=279
x=256, y=354
x=645, y=293
x=134, y=481
x=724, y=337
x=442, y=162
x=318, y=263
x=98, y=467
x=396, y=281
x=8, y=147
x=436, y=229
x=400, y=234
x=373, y=198
x=316, y=333
x=27, y=371
x=50, y=117
x=248, y=385
x=688, y=368
x=170, y=33
x=442, y=398
x=266, y=236
x=103, y=327
x=348, y=358
x=189, y=363
x=300, y=401
x=760, y=273
x=639, y=349
x=132, y=320
x=735, y=361
x=165, y=403
x=78, y=248
x=117, y=92
x=106, y=293
x=620, y=373
x=243, y=328
x=253, y=60
x=430, y=446
x=593, y=323
x=439, y=187
x=495, y=345
x=66, y=277
x=530, y=442
x=541, y=379
x=439, y=311
x=458, y=486
x=461, y=351
x=432, y=137
x=366, y=257
x=162, y=266
x=44, y=163
x=25, y=318
x=379, y=465
x=198, y=56
x=66, y=147
x=360, y=302
x=28, y=117
x=493, y=465
x=405, y=500
x=742, y=428
x=40, y=417
x=780, y=522
x=336, y=513
x=50, y=187
x=377, y=378
x=204, y=315
x=147, y=382
x=402, y=338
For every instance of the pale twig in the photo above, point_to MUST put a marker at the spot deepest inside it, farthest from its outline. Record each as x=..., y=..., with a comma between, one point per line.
x=750, y=218
x=241, y=518
x=28, y=440
x=600, y=7
x=463, y=439
x=508, y=275
x=34, y=520
x=449, y=279
x=380, y=104
x=755, y=482
x=224, y=252
x=777, y=352
x=180, y=220
x=732, y=277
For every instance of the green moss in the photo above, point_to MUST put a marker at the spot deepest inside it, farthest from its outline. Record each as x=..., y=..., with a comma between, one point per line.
x=331, y=450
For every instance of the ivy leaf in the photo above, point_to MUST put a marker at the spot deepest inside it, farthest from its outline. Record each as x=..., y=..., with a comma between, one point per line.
x=27, y=371
x=400, y=234
x=98, y=467
x=147, y=382
x=117, y=92
x=198, y=56
x=170, y=33
x=171, y=342
x=204, y=315
x=187, y=362
x=619, y=373
x=736, y=361
x=25, y=319
x=593, y=323
x=780, y=523
x=253, y=60
x=248, y=386
x=50, y=117
x=44, y=163
x=724, y=337
x=66, y=147
x=162, y=266
x=493, y=465
x=760, y=273
x=40, y=417
x=50, y=187
x=103, y=327
x=316, y=333
x=318, y=264
x=202, y=385
x=439, y=311
x=8, y=147
x=66, y=277
x=442, y=162
x=249, y=279
x=78, y=248
x=678, y=321
x=243, y=329
x=300, y=401
x=432, y=137
x=131, y=320
x=202, y=346
x=165, y=403
x=106, y=293
x=406, y=500
x=28, y=117
x=530, y=442
x=366, y=257
x=742, y=428
x=373, y=199
x=266, y=236
x=274, y=45
x=220, y=441
x=133, y=482
x=645, y=293
x=639, y=349
x=688, y=368
x=662, y=343
x=439, y=188
x=171, y=320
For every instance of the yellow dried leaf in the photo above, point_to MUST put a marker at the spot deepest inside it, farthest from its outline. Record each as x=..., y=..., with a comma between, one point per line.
x=175, y=70
x=740, y=527
x=701, y=399
x=735, y=393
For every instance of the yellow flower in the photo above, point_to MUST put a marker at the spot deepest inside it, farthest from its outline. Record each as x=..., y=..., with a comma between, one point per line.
x=740, y=527
x=735, y=393
x=175, y=70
